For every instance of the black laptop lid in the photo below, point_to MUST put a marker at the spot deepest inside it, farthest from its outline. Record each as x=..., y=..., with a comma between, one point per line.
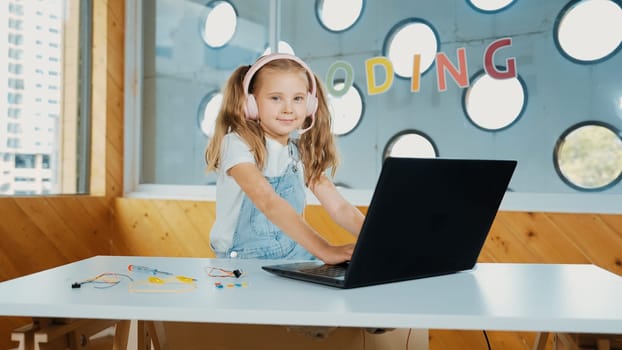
x=428, y=216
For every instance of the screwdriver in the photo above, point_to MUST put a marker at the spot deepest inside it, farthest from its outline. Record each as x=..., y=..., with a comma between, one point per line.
x=139, y=268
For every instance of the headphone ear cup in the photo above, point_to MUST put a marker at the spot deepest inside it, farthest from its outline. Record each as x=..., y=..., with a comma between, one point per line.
x=311, y=104
x=251, y=109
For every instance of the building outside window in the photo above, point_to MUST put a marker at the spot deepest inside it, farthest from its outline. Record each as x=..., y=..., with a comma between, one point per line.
x=36, y=96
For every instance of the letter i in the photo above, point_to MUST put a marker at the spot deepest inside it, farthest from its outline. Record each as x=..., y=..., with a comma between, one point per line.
x=415, y=81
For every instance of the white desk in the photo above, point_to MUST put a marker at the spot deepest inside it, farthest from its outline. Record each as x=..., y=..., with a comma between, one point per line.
x=516, y=297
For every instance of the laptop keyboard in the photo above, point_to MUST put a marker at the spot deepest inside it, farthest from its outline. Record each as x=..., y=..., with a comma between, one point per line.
x=328, y=270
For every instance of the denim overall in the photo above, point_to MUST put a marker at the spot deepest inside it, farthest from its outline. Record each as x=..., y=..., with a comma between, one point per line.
x=256, y=237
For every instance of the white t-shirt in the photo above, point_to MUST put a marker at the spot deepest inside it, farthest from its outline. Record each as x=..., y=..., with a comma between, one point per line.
x=229, y=195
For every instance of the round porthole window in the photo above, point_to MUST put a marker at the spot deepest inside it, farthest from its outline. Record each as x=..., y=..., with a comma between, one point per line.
x=208, y=111
x=494, y=104
x=410, y=144
x=219, y=23
x=283, y=47
x=346, y=110
x=338, y=15
x=409, y=37
x=588, y=156
x=490, y=6
x=589, y=31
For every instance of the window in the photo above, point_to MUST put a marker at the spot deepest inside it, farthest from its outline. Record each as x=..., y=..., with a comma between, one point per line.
x=15, y=23
x=409, y=37
x=15, y=68
x=24, y=179
x=346, y=110
x=282, y=46
x=494, y=104
x=410, y=144
x=15, y=54
x=14, y=99
x=14, y=113
x=45, y=162
x=13, y=128
x=13, y=143
x=219, y=24
x=589, y=31
x=208, y=111
x=588, y=156
x=25, y=161
x=481, y=115
x=338, y=15
x=16, y=9
x=16, y=39
x=17, y=84
x=490, y=6
x=35, y=144
x=174, y=93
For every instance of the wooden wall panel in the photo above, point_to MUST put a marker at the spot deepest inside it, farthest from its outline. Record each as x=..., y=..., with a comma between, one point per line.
x=39, y=233
x=181, y=228
x=162, y=228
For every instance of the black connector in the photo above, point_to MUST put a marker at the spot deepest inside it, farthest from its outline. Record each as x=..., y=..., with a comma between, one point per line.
x=237, y=273
x=76, y=285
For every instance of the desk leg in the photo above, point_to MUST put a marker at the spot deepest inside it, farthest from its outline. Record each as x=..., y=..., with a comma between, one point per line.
x=121, y=335
x=143, y=340
x=25, y=336
x=145, y=335
x=566, y=339
x=157, y=334
x=71, y=334
x=540, y=342
x=603, y=344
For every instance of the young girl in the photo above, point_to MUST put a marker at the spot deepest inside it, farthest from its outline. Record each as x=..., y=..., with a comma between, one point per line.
x=262, y=171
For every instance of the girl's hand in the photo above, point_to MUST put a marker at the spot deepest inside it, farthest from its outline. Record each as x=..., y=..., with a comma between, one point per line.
x=334, y=255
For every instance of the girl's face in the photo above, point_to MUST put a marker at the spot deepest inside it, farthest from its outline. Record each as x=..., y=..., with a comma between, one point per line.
x=282, y=102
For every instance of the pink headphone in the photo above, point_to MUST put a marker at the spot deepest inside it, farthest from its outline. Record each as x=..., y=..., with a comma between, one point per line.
x=252, y=112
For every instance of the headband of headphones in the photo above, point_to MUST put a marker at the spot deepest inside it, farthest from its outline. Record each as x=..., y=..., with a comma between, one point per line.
x=251, y=109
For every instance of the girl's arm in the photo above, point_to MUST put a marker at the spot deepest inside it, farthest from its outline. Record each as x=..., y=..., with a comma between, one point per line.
x=283, y=215
x=339, y=209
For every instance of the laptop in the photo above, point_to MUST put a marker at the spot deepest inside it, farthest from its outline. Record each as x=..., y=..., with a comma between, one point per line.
x=427, y=217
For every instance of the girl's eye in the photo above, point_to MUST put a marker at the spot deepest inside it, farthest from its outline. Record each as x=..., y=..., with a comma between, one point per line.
x=275, y=98
x=299, y=98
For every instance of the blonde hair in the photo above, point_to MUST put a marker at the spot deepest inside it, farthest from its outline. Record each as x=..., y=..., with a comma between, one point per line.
x=316, y=147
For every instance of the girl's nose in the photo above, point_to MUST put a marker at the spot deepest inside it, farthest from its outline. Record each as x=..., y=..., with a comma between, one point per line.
x=288, y=107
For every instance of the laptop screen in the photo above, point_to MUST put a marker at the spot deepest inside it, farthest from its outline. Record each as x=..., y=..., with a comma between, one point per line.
x=428, y=216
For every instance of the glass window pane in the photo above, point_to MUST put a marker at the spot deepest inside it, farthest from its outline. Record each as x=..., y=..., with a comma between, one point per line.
x=490, y=5
x=589, y=156
x=589, y=30
x=476, y=116
x=494, y=104
x=208, y=111
x=179, y=70
x=409, y=37
x=410, y=144
x=40, y=113
x=338, y=15
x=219, y=24
x=346, y=110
